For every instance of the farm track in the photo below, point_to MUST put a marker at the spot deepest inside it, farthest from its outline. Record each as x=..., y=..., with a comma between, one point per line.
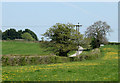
x=77, y=52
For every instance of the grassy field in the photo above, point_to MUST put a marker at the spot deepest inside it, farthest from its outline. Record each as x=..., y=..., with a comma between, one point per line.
x=102, y=69
x=23, y=48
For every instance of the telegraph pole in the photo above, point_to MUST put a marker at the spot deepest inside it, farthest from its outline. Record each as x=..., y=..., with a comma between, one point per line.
x=77, y=27
x=77, y=32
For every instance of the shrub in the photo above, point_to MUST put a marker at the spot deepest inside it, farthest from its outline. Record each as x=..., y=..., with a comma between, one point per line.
x=93, y=54
x=18, y=60
x=32, y=60
x=27, y=37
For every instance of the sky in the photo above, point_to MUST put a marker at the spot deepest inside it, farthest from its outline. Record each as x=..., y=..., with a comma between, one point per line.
x=59, y=0
x=40, y=16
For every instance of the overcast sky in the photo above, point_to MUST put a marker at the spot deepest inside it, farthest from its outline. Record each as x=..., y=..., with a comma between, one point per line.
x=39, y=16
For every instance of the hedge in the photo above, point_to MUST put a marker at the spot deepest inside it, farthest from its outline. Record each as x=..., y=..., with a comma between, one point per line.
x=92, y=54
x=31, y=60
x=13, y=60
x=114, y=43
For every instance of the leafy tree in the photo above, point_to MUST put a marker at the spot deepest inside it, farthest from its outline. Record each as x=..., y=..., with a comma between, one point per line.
x=86, y=42
x=27, y=37
x=32, y=34
x=63, y=38
x=10, y=33
x=97, y=32
x=20, y=34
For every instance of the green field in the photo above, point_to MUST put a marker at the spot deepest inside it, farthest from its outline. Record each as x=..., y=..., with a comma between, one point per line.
x=23, y=48
x=102, y=69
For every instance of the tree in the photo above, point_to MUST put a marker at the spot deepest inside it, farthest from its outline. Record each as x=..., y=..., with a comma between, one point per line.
x=10, y=33
x=97, y=32
x=27, y=37
x=86, y=42
x=31, y=33
x=63, y=38
x=20, y=34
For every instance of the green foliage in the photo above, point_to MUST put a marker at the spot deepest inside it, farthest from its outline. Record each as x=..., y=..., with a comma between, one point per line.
x=27, y=37
x=10, y=33
x=22, y=61
x=97, y=32
x=91, y=54
x=71, y=52
x=93, y=43
x=13, y=34
x=31, y=33
x=63, y=38
x=20, y=34
x=86, y=42
x=13, y=60
x=113, y=43
x=8, y=39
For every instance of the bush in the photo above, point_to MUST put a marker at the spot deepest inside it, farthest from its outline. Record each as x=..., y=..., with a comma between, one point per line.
x=27, y=37
x=31, y=60
x=89, y=55
x=18, y=60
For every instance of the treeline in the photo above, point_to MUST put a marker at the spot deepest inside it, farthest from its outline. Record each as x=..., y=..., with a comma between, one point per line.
x=12, y=34
x=114, y=43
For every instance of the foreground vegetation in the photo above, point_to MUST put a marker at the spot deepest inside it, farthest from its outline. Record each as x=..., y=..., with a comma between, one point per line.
x=102, y=69
x=31, y=53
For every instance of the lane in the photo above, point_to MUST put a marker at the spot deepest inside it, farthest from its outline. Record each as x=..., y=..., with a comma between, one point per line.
x=80, y=49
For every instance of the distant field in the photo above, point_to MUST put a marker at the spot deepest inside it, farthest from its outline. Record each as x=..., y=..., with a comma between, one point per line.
x=102, y=69
x=23, y=48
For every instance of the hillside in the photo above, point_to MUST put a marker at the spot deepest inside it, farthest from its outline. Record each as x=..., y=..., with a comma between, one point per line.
x=23, y=48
